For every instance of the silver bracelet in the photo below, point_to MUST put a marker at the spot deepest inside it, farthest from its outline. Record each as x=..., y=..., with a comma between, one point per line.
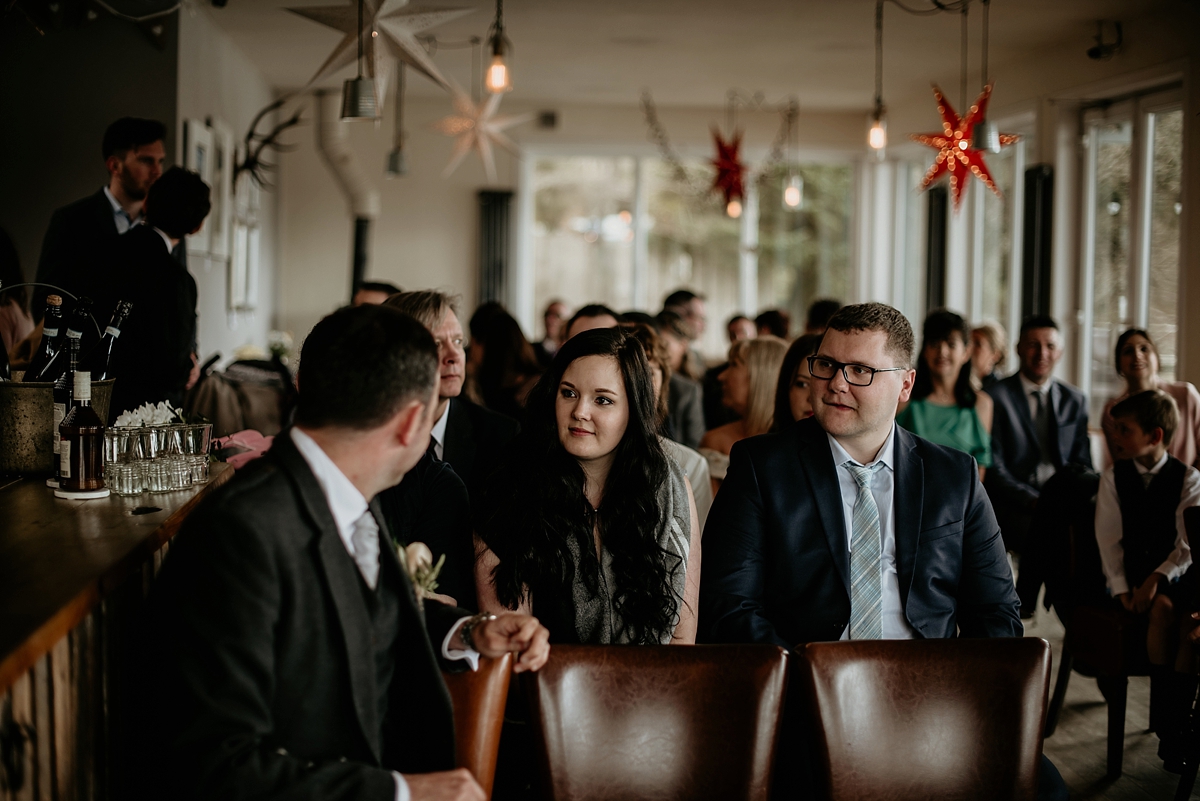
x=469, y=626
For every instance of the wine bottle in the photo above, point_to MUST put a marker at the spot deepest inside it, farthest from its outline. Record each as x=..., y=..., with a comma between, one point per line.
x=80, y=317
x=98, y=362
x=51, y=325
x=81, y=443
x=64, y=395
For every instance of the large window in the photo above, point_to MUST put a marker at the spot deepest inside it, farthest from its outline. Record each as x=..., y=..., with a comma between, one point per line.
x=626, y=232
x=1133, y=203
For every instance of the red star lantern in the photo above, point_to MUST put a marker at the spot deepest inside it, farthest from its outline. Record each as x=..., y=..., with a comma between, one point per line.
x=957, y=156
x=730, y=168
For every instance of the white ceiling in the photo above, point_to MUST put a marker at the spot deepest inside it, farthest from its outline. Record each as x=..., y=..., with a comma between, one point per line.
x=690, y=52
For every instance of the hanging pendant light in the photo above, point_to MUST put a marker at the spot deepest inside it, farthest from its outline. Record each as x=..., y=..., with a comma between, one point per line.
x=793, y=194
x=793, y=190
x=877, y=135
x=358, y=94
x=986, y=135
x=734, y=208
x=498, y=78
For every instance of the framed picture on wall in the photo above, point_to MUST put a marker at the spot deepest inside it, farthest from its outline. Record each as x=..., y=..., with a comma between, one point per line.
x=198, y=155
x=219, y=219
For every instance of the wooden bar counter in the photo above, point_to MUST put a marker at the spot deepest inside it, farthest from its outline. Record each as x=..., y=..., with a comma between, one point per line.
x=73, y=576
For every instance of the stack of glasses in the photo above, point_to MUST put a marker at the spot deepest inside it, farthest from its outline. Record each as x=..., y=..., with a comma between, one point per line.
x=156, y=458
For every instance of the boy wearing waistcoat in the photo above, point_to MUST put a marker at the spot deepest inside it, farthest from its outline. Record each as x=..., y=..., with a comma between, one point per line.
x=1144, y=546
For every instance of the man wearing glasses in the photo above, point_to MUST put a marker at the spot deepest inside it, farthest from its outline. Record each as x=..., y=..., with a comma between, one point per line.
x=846, y=526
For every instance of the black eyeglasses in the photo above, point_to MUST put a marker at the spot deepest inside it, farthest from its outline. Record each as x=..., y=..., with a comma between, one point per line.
x=858, y=375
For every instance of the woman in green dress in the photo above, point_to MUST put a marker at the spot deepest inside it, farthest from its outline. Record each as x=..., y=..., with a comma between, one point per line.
x=945, y=408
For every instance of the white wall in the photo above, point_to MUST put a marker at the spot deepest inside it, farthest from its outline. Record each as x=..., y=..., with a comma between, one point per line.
x=217, y=80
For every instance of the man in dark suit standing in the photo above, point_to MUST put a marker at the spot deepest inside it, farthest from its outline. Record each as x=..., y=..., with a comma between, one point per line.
x=846, y=526
x=155, y=357
x=81, y=233
x=291, y=659
x=1039, y=426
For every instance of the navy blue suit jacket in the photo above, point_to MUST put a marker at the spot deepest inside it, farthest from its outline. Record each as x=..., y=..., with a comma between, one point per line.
x=1015, y=452
x=776, y=565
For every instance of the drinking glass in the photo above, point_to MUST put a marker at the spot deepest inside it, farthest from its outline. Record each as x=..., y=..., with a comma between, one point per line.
x=199, y=466
x=196, y=438
x=158, y=476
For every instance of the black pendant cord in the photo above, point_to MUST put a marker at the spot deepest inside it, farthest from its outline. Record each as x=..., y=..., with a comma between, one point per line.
x=360, y=38
x=963, y=91
x=983, y=72
x=878, y=56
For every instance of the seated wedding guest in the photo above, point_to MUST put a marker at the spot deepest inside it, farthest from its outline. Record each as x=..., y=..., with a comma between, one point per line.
x=685, y=415
x=15, y=322
x=945, y=407
x=1138, y=363
x=774, y=323
x=588, y=522
x=468, y=436
x=593, y=315
x=748, y=387
x=1039, y=424
x=373, y=292
x=554, y=320
x=693, y=309
x=716, y=413
x=505, y=365
x=819, y=312
x=82, y=233
x=793, y=390
x=989, y=343
x=695, y=466
x=1145, y=551
x=815, y=533
x=288, y=656
x=156, y=360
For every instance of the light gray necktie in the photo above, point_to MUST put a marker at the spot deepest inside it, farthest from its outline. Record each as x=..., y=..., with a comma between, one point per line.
x=365, y=540
x=866, y=553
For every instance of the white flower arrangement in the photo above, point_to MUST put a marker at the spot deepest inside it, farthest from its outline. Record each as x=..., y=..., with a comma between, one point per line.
x=160, y=414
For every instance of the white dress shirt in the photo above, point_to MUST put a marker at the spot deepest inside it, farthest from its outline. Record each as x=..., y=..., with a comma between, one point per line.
x=347, y=505
x=1109, y=530
x=883, y=483
x=121, y=218
x=438, y=434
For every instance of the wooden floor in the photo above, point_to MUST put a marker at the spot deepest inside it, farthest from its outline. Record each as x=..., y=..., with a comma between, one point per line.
x=1078, y=746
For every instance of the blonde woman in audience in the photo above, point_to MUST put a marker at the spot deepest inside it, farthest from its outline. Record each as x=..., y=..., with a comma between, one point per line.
x=989, y=352
x=1138, y=363
x=748, y=388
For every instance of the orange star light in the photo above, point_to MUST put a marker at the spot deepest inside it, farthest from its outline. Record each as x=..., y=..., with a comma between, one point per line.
x=957, y=155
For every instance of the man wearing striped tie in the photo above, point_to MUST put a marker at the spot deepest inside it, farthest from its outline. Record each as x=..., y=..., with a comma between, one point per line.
x=846, y=526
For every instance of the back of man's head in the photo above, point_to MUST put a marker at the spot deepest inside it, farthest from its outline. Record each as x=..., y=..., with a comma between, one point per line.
x=363, y=364
x=878, y=317
x=130, y=133
x=427, y=306
x=178, y=202
x=591, y=310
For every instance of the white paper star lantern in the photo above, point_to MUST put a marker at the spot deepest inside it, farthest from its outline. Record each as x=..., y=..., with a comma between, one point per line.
x=476, y=126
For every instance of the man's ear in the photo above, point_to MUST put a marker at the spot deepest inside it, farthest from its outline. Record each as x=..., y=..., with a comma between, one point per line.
x=906, y=388
x=1157, y=436
x=409, y=421
x=113, y=163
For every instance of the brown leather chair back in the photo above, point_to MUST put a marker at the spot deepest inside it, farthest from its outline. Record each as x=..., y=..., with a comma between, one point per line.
x=479, y=698
x=928, y=720
x=664, y=722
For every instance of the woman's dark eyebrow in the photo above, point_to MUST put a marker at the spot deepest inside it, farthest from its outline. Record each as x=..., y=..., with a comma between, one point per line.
x=566, y=384
x=608, y=391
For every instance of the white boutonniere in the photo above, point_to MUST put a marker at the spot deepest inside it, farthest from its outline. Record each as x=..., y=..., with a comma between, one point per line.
x=422, y=571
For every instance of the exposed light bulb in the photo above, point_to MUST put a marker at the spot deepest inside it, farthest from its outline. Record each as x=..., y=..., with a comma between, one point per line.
x=734, y=209
x=793, y=194
x=877, y=136
x=498, y=79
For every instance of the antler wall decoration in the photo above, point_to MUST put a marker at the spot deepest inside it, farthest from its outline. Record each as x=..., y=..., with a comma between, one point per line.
x=256, y=144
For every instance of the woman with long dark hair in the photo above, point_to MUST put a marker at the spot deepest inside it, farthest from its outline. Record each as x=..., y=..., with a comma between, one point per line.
x=588, y=523
x=945, y=407
x=793, y=392
x=502, y=363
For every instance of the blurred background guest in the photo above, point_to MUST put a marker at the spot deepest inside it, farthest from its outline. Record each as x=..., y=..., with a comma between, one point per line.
x=374, y=293
x=554, y=320
x=15, y=322
x=1138, y=363
x=685, y=416
x=593, y=315
x=945, y=407
x=716, y=413
x=83, y=233
x=691, y=307
x=793, y=392
x=748, y=387
x=740, y=327
x=506, y=367
x=989, y=342
x=695, y=467
x=819, y=312
x=774, y=323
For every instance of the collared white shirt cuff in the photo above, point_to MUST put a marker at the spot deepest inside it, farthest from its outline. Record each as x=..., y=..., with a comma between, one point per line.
x=402, y=791
x=471, y=656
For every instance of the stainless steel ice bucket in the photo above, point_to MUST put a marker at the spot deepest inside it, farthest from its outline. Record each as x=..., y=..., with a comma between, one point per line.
x=26, y=416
